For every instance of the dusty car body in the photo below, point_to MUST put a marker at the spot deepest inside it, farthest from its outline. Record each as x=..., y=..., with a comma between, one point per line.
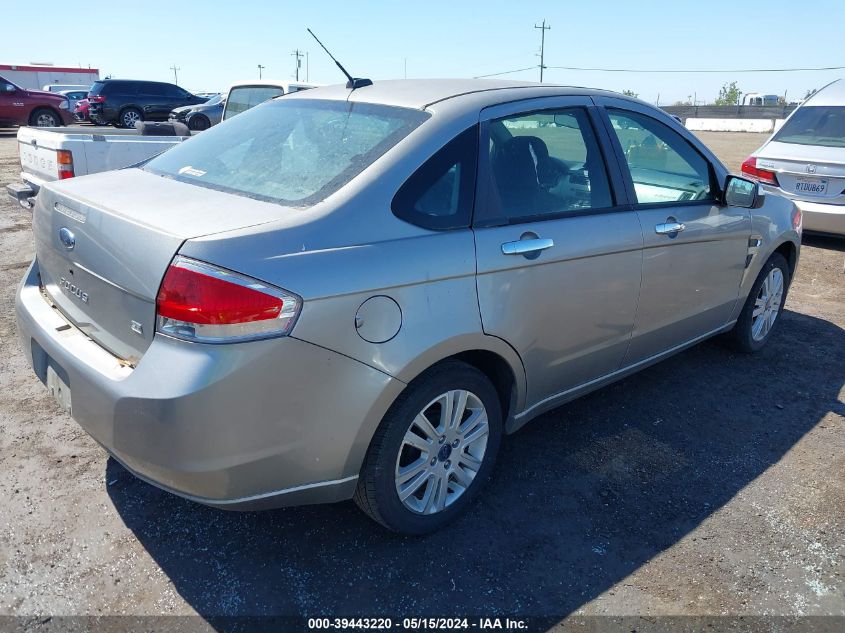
x=431, y=265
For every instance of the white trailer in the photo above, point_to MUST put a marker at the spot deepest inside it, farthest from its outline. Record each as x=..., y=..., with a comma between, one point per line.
x=36, y=77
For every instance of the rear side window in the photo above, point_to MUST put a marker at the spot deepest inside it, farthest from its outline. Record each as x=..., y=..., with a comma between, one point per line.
x=439, y=195
x=97, y=88
x=294, y=152
x=815, y=125
x=664, y=166
x=243, y=98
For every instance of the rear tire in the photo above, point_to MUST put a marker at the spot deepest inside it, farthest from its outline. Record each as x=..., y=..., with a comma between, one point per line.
x=439, y=471
x=44, y=117
x=128, y=117
x=761, y=312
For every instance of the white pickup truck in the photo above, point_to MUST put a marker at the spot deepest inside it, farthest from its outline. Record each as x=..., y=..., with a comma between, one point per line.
x=49, y=154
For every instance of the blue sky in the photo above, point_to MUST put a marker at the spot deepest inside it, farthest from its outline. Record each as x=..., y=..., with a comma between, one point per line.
x=216, y=43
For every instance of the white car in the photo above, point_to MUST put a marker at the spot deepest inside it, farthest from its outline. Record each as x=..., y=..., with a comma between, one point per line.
x=805, y=160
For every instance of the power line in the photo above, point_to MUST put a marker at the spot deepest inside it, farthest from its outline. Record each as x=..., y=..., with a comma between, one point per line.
x=733, y=70
x=505, y=72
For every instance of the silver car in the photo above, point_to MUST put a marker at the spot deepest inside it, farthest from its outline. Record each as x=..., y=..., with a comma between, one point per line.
x=356, y=293
x=805, y=160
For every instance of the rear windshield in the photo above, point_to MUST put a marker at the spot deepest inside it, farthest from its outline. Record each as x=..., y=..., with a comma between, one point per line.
x=815, y=125
x=244, y=98
x=291, y=151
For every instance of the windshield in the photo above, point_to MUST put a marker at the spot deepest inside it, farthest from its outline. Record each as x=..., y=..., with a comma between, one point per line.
x=214, y=100
x=292, y=151
x=815, y=125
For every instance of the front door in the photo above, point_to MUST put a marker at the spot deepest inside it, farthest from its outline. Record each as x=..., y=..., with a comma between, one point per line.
x=694, y=247
x=559, y=260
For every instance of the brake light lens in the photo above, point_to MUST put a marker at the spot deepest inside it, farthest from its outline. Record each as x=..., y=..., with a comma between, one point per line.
x=96, y=99
x=797, y=218
x=64, y=162
x=749, y=168
x=204, y=303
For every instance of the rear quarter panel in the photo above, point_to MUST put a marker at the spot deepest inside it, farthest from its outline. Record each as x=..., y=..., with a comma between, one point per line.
x=772, y=225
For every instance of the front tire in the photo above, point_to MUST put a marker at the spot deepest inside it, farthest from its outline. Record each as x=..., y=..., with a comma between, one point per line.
x=44, y=117
x=763, y=307
x=199, y=122
x=433, y=451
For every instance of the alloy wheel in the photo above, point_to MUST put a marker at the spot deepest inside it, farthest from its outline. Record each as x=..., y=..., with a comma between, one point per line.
x=767, y=305
x=45, y=119
x=442, y=452
x=130, y=118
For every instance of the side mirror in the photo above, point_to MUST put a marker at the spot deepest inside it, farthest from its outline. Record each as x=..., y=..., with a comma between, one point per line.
x=741, y=192
x=9, y=89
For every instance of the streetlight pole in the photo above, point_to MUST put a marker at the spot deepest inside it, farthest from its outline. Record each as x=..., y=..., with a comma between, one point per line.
x=260, y=68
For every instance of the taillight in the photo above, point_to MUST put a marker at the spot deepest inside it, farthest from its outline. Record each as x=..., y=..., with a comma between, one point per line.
x=204, y=303
x=96, y=99
x=64, y=160
x=797, y=218
x=749, y=168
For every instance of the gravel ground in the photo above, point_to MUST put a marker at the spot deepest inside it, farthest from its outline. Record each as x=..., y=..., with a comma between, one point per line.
x=712, y=483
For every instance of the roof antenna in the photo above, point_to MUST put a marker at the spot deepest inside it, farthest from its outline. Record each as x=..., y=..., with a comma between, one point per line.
x=354, y=82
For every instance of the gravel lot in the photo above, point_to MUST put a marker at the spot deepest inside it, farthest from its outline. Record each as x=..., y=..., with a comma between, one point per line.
x=712, y=483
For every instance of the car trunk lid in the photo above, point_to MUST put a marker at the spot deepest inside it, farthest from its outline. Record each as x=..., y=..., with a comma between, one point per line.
x=807, y=172
x=103, y=244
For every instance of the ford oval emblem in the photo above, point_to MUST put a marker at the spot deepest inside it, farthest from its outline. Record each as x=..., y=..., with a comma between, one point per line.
x=67, y=238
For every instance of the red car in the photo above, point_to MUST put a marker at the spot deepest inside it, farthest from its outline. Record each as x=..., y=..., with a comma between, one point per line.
x=19, y=106
x=80, y=112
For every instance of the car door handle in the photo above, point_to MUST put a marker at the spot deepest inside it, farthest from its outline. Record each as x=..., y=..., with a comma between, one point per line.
x=526, y=247
x=669, y=228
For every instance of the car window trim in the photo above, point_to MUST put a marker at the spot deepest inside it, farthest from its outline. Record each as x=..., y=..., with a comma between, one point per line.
x=484, y=184
x=716, y=175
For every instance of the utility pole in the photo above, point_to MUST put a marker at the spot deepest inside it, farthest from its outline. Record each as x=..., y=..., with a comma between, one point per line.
x=260, y=68
x=298, y=54
x=543, y=28
x=174, y=68
x=307, y=69
x=406, y=67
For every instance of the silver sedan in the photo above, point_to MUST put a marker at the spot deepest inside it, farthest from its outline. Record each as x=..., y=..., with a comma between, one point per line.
x=805, y=160
x=357, y=293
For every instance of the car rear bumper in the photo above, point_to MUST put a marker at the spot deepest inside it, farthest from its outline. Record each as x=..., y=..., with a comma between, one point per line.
x=242, y=426
x=822, y=218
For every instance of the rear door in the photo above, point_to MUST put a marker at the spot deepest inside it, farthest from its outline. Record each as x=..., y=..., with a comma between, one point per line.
x=694, y=247
x=559, y=254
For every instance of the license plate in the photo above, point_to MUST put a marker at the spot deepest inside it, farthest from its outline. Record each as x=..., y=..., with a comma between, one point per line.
x=59, y=389
x=811, y=186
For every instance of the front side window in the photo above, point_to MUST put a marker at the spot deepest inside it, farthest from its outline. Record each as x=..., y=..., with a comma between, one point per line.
x=814, y=125
x=245, y=97
x=664, y=167
x=547, y=163
x=294, y=152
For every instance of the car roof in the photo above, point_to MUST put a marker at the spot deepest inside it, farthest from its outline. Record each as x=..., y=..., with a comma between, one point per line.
x=272, y=83
x=833, y=94
x=422, y=93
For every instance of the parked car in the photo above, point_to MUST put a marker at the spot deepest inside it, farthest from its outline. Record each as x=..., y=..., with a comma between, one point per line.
x=63, y=87
x=244, y=95
x=50, y=155
x=355, y=293
x=805, y=160
x=74, y=97
x=124, y=102
x=19, y=106
x=80, y=112
x=202, y=116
